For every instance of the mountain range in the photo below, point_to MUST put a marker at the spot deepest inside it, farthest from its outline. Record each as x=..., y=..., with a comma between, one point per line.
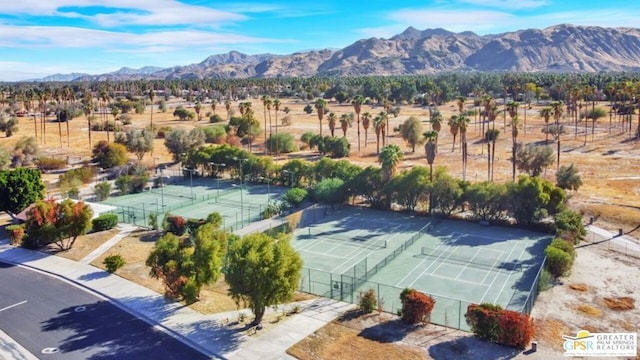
x=560, y=48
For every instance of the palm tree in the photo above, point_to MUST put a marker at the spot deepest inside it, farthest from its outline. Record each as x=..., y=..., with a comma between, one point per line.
x=460, y=100
x=431, y=149
x=491, y=136
x=332, y=118
x=366, y=122
x=266, y=103
x=57, y=95
x=276, y=108
x=69, y=97
x=436, y=120
x=514, y=137
x=558, y=109
x=227, y=106
x=378, y=126
x=104, y=97
x=198, y=108
x=345, y=122
x=453, y=128
x=87, y=109
x=115, y=111
x=385, y=117
x=463, y=123
x=389, y=157
x=546, y=113
x=213, y=106
x=27, y=101
x=357, y=102
x=44, y=98
x=321, y=106
x=152, y=96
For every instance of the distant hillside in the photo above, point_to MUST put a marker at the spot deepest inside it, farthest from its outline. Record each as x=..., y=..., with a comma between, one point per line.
x=562, y=48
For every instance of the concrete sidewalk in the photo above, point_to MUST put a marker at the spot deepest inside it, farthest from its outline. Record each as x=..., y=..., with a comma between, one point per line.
x=207, y=333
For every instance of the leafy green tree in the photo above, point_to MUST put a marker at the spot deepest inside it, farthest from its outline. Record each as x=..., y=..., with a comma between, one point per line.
x=528, y=199
x=20, y=188
x=409, y=188
x=137, y=141
x=186, y=266
x=534, y=159
x=334, y=147
x=9, y=126
x=446, y=192
x=330, y=191
x=102, y=190
x=214, y=134
x=49, y=222
x=109, y=155
x=295, y=196
x=569, y=225
x=183, y=114
x=487, y=200
x=179, y=141
x=568, y=178
x=306, y=139
x=411, y=132
x=367, y=185
x=261, y=272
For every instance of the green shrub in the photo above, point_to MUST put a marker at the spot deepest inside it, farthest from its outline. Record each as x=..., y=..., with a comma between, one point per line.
x=367, y=301
x=105, y=222
x=214, y=134
x=546, y=280
x=190, y=291
x=113, y=263
x=153, y=221
x=295, y=196
x=569, y=225
x=558, y=261
x=102, y=190
x=163, y=131
x=47, y=163
x=564, y=245
x=306, y=139
x=215, y=118
x=483, y=320
x=281, y=143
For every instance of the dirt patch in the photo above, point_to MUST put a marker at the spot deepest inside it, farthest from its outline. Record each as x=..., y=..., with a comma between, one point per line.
x=578, y=287
x=619, y=304
x=84, y=245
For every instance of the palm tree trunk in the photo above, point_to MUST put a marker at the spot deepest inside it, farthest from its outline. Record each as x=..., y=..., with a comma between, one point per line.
x=493, y=158
x=488, y=161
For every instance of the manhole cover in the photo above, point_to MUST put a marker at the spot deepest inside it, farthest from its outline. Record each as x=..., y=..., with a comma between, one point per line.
x=50, y=350
x=80, y=309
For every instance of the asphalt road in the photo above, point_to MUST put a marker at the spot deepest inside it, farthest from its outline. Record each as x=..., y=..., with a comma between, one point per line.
x=56, y=320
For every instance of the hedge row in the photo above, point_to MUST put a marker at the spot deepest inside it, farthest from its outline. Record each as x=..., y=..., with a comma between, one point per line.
x=560, y=256
x=105, y=222
x=494, y=324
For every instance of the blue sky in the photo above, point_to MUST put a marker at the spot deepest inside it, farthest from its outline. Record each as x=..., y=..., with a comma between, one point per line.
x=42, y=37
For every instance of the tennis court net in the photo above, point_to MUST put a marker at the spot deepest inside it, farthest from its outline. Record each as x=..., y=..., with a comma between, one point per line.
x=448, y=256
x=159, y=193
x=355, y=241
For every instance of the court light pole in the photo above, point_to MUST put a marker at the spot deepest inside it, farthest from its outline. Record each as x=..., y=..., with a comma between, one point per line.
x=240, y=162
x=217, y=166
x=190, y=180
x=162, y=187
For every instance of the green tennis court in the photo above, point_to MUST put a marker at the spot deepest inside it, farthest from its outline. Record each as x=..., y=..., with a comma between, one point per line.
x=458, y=263
x=238, y=205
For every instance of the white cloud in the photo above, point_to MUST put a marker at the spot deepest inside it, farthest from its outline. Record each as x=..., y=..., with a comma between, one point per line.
x=508, y=4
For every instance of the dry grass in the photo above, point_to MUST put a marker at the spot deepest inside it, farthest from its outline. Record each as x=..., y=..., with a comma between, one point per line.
x=589, y=310
x=627, y=326
x=620, y=303
x=84, y=245
x=550, y=331
x=590, y=328
x=338, y=342
x=579, y=287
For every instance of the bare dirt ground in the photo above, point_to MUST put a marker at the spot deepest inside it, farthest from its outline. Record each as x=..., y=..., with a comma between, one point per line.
x=610, y=168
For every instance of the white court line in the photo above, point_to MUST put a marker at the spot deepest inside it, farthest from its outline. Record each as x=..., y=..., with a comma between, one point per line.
x=425, y=270
x=507, y=280
x=321, y=254
x=495, y=277
x=417, y=266
x=462, y=281
x=469, y=262
x=12, y=306
x=459, y=235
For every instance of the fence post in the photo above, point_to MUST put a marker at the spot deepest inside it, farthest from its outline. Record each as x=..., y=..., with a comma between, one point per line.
x=459, y=314
x=331, y=285
x=309, y=271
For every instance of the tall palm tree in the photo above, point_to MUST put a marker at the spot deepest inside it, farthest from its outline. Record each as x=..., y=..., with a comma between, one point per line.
x=385, y=130
x=276, y=107
x=69, y=97
x=104, y=97
x=487, y=103
x=491, y=136
x=389, y=157
x=87, y=109
x=227, y=106
x=357, y=102
x=345, y=122
x=546, y=113
x=115, y=111
x=213, y=106
x=378, y=126
x=266, y=103
x=558, y=110
x=321, y=106
x=45, y=95
x=332, y=118
x=463, y=123
x=431, y=149
x=366, y=122
x=152, y=96
x=453, y=128
x=436, y=120
x=514, y=144
x=58, y=96
x=27, y=101
x=198, y=108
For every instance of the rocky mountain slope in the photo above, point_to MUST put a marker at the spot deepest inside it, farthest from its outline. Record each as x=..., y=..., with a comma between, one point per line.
x=565, y=48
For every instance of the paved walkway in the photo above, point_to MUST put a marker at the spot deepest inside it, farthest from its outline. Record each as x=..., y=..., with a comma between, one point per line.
x=207, y=333
x=612, y=240
x=125, y=230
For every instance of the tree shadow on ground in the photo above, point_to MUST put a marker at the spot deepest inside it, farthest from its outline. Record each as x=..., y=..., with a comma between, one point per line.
x=102, y=331
x=470, y=348
x=94, y=275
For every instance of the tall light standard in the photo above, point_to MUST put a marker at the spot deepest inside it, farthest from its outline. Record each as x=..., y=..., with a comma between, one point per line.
x=217, y=166
x=162, y=187
x=240, y=162
x=190, y=179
